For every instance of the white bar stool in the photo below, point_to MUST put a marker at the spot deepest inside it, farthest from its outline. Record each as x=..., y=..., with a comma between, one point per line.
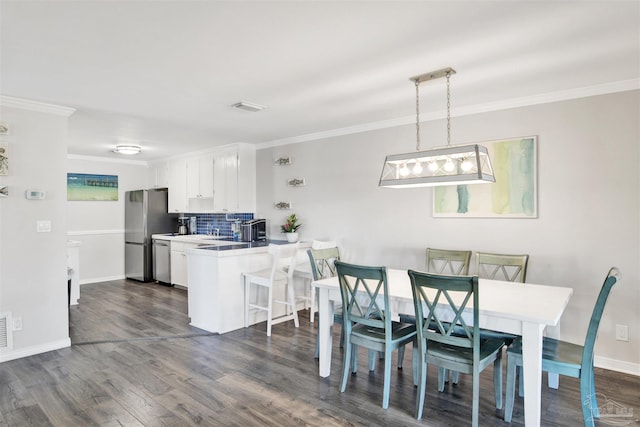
x=268, y=278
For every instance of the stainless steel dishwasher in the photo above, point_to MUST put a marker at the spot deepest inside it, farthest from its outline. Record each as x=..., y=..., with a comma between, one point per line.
x=162, y=261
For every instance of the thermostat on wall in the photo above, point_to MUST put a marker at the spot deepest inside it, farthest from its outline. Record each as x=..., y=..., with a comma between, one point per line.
x=34, y=194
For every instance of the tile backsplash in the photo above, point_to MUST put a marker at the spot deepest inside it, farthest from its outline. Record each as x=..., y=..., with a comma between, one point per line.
x=207, y=223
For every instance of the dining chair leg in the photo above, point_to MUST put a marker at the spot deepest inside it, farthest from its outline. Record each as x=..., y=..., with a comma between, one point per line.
x=497, y=380
x=476, y=396
x=422, y=384
x=511, y=388
x=346, y=366
x=455, y=376
x=587, y=397
x=372, y=360
x=594, y=400
x=400, y=357
x=387, y=378
x=442, y=373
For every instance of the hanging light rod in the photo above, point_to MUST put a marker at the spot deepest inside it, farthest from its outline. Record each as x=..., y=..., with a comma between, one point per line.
x=452, y=165
x=438, y=74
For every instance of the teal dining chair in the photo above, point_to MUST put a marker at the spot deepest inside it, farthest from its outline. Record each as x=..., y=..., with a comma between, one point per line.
x=469, y=353
x=507, y=267
x=441, y=261
x=565, y=358
x=322, y=267
x=366, y=322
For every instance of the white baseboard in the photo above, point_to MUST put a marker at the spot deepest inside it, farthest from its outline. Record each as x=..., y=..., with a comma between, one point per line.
x=101, y=279
x=31, y=351
x=617, y=365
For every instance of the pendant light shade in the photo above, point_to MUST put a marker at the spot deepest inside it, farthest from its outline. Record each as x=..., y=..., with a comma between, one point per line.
x=451, y=165
x=457, y=165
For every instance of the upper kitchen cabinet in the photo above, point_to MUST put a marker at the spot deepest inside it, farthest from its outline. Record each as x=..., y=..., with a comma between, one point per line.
x=234, y=179
x=200, y=184
x=177, y=184
x=223, y=180
x=158, y=175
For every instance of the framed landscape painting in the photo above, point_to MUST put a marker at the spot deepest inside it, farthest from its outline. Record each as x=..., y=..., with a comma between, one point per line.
x=513, y=195
x=82, y=186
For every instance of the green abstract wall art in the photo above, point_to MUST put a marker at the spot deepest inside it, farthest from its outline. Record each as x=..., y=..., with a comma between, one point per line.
x=82, y=186
x=513, y=195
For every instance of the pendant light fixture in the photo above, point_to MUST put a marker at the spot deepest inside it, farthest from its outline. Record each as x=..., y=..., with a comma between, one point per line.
x=451, y=165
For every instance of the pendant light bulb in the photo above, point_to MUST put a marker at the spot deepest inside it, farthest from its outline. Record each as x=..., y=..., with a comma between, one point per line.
x=404, y=170
x=417, y=169
x=449, y=166
x=466, y=165
x=433, y=166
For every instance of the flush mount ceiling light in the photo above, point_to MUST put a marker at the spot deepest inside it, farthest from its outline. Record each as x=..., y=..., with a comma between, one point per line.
x=451, y=165
x=127, y=149
x=248, y=106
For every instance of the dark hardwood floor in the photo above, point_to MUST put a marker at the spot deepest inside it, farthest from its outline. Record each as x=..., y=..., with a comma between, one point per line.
x=135, y=361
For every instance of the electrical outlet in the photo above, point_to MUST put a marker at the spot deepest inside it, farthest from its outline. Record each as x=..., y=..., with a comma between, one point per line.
x=17, y=323
x=622, y=333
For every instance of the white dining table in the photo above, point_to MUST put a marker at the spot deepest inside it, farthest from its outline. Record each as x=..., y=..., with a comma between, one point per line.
x=518, y=308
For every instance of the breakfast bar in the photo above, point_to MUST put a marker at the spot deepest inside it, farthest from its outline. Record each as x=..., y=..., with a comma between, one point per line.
x=216, y=288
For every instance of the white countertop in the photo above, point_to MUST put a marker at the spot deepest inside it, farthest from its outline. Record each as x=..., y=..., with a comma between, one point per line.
x=196, y=238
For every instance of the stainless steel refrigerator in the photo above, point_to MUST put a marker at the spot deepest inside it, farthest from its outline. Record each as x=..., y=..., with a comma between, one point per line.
x=145, y=214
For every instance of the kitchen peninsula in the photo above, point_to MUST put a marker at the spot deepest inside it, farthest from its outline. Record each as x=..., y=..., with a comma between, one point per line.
x=215, y=283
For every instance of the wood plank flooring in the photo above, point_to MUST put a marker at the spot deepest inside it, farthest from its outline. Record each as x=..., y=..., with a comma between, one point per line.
x=135, y=361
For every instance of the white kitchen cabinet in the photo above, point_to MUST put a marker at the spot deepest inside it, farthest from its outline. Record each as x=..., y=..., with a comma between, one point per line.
x=200, y=184
x=200, y=176
x=234, y=176
x=177, y=184
x=223, y=180
x=179, y=262
x=158, y=175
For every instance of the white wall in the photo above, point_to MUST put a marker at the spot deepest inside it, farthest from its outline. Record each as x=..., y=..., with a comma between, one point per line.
x=99, y=226
x=588, y=204
x=33, y=273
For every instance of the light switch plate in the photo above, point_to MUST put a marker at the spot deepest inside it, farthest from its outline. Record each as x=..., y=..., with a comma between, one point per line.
x=43, y=226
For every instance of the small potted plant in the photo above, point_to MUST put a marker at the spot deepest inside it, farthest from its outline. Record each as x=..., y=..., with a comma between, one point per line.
x=290, y=228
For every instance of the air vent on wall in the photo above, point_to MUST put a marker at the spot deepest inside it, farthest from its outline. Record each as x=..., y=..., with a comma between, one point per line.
x=248, y=106
x=6, y=341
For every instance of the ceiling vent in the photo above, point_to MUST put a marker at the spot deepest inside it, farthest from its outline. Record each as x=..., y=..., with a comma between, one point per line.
x=248, y=106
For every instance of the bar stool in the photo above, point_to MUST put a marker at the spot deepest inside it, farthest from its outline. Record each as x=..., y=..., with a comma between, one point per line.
x=269, y=278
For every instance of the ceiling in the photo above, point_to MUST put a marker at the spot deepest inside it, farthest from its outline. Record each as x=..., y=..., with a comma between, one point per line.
x=164, y=74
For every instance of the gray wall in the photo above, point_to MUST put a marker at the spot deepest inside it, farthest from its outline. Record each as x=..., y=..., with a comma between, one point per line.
x=588, y=205
x=33, y=266
x=99, y=226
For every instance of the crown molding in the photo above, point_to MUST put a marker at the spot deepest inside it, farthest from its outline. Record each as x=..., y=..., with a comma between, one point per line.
x=40, y=107
x=545, y=98
x=107, y=160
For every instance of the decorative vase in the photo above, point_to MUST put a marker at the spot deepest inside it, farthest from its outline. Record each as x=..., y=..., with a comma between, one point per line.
x=292, y=237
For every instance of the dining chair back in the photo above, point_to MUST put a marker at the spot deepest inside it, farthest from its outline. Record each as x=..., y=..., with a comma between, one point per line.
x=441, y=261
x=322, y=266
x=510, y=268
x=366, y=321
x=283, y=261
x=446, y=302
x=445, y=261
x=566, y=358
x=304, y=271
